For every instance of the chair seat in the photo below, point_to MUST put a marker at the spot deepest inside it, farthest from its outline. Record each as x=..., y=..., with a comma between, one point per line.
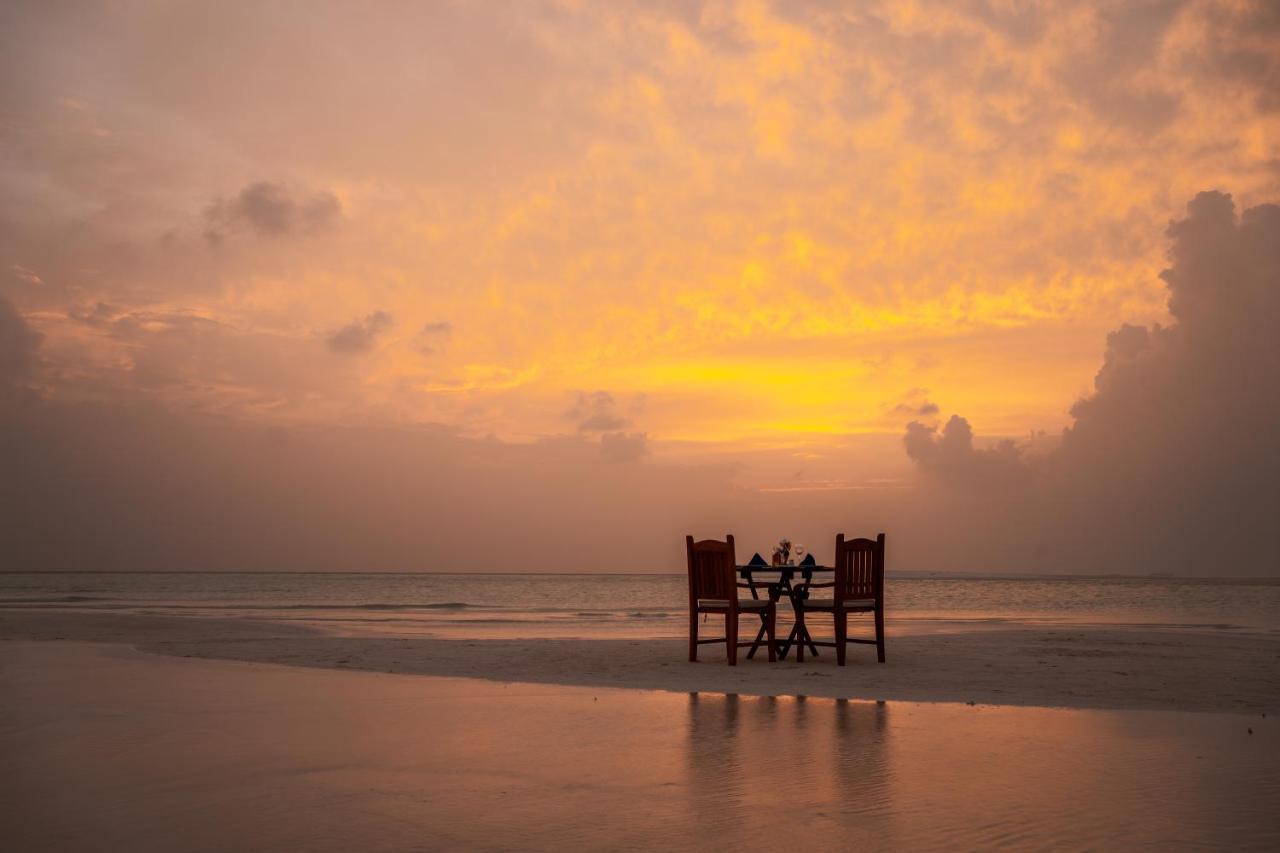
x=849, y=604
x=743, y=603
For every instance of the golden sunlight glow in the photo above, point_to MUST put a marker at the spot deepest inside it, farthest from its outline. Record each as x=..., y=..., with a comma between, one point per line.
x=754, y=220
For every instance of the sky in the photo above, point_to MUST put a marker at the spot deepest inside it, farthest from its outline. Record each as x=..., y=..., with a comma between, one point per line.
x=541, y=285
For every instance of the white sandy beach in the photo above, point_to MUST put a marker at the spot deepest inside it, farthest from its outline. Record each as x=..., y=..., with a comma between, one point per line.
x=1072, y=667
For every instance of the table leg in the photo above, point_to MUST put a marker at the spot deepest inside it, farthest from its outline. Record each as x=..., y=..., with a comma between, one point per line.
x=796, y=635
x=808, y=641
x=755, y=644
x=785, y=645
x=784, y=588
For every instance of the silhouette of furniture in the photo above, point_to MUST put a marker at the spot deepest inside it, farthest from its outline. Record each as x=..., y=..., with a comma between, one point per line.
x=857, y=587
x=778, y=588
x=713, y=588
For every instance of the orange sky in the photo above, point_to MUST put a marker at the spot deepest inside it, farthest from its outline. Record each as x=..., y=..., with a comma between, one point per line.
x=696, y=231
x=743, y=222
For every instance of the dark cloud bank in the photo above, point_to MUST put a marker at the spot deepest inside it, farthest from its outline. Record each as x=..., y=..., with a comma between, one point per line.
x=1171, y=465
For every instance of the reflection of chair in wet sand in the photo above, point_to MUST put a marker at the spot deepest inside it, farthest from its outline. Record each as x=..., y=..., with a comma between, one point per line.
x=713, y=588
x=717, y=786
x=858, y=588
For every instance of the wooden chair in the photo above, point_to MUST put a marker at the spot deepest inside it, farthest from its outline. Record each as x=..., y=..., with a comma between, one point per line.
x=713, y=588
x=858, y=588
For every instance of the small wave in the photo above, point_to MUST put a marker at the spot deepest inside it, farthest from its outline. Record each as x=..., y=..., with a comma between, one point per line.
x=438, y=605
x=61, y=599
x=639, y=615
x=376, y=606
x=483, y=621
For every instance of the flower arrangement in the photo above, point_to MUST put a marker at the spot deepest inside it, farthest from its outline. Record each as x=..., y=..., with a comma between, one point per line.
x=782, y=552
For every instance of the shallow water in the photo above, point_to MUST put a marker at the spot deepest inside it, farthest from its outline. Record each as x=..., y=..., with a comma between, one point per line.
x=104, y=748
x=630, y=605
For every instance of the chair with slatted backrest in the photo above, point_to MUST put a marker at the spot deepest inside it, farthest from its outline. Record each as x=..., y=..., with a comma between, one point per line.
x=713, y=588
x=858, y=587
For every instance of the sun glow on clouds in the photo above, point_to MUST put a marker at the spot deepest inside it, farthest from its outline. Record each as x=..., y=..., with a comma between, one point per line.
x=769, y=221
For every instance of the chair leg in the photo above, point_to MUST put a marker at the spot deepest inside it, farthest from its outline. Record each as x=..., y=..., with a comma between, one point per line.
x=772, y=624
x=842, y=634
x=731, y=636
x=693, y=635
x=879, y=633
x=799, y=632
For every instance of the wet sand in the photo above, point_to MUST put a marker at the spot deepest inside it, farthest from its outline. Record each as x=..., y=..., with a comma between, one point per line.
x=107, y=748
x=1075, y=667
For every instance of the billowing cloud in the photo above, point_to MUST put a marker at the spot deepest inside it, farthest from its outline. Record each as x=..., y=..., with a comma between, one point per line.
x=1172, y=463
x=951, y=456
x=360, y=336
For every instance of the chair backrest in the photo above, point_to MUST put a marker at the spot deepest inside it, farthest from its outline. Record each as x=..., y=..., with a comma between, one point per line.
x=859, y=568
x=713, y=569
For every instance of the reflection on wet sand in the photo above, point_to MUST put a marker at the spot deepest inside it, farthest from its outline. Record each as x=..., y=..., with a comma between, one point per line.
x=763, y=764
x=106, y=748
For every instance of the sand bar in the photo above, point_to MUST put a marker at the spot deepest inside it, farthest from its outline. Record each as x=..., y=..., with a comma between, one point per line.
x=1072, y=667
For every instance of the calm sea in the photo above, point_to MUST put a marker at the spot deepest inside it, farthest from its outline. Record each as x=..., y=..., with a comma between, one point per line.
x=630, y=605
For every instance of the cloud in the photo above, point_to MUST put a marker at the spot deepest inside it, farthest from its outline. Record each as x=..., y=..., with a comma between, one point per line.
x=1235, y=45
x=25, y=275
x=271, y=210
x=1172, y=463
x=432, y=335
x=951, y=456
x=1110, y=71
x=915, y=404
x=624, y=446
x=188, y=358
x=18, y=344
x=597, y=411
x=359, y=336
x=99, y=314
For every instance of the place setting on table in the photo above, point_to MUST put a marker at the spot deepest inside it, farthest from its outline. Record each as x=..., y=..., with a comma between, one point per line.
x=856, y=581
x=785, y=566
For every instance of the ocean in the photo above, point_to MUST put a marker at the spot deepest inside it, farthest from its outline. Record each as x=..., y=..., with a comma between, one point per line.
x=616, y=605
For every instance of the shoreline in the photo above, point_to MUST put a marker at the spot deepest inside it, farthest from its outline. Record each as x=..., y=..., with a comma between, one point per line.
x=900, y=574
x=1058, y=667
